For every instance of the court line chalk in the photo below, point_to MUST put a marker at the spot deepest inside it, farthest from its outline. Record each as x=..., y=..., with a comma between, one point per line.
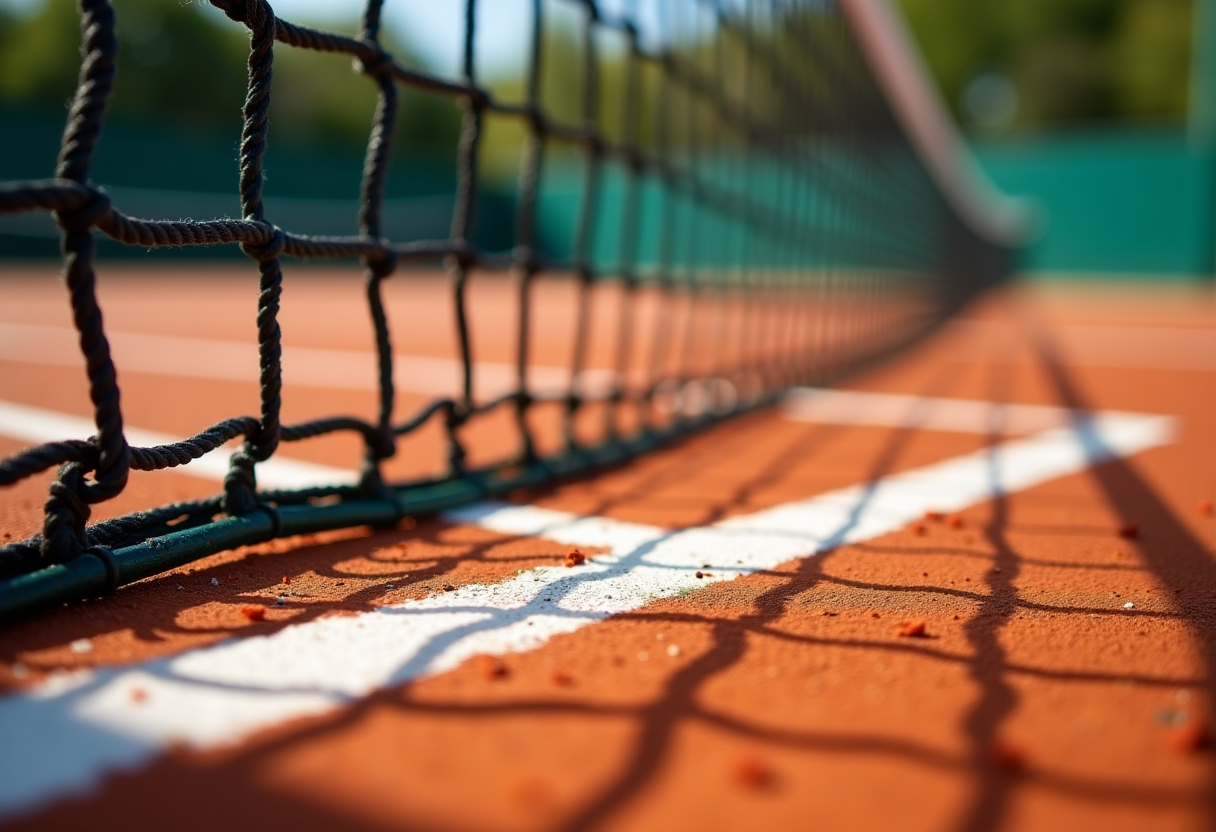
x=330, y=369
x=1095, y=345
x=845, y=407
x=858, y=407
x=63, y=736
x=1132, y=347
x=35, y=424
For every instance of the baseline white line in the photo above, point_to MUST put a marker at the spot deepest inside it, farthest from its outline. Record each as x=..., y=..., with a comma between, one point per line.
x=64, y=736
x=858, y=407
x=845, y=407
x=1100, y=345
x=331, y=369
x=34, y=424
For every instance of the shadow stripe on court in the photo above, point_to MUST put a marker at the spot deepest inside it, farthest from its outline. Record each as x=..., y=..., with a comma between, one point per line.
x=67, y=733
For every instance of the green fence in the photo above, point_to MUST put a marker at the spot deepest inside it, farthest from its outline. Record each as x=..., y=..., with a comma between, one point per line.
x=159, y=172
x=1133, y=202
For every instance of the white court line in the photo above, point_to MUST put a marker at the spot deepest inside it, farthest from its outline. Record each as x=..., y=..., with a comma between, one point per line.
x=1101, y=345
x=65, y=735
x=331, y=369
x=846, y=407
x=338, y=369
x=36, y=425
x=895, y=410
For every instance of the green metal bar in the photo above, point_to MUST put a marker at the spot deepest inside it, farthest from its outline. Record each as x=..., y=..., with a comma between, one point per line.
x=170, y=551
x=84, y=577
x=87, y=575
x=306, y=519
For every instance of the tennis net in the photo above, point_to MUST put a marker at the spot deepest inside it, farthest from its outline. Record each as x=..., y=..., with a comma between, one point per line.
x=773, y=181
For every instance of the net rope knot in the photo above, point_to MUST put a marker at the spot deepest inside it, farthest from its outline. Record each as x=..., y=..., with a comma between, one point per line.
x=713, y=185
x=94, y=209
x=381, y=263
x=525, y=257
x=242, y=11
x=240, y=485
x=381, y=64
x=270, y=249
x=63, y=535
x=371, y=481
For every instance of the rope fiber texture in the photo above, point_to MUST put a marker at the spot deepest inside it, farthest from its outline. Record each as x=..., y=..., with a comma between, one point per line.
x=752, y=180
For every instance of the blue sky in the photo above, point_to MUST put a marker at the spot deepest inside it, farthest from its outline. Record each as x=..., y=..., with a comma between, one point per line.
x=435, y=28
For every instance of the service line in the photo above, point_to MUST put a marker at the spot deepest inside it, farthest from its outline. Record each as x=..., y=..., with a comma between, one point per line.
x=178, y=356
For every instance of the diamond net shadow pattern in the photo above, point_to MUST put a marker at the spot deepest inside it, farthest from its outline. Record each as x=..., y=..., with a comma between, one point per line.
x=739, y=166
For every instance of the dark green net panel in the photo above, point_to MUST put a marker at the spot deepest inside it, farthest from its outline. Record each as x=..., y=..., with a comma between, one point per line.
x=748, y=174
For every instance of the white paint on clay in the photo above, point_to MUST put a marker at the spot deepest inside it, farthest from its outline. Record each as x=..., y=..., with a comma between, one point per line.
x=61, y=737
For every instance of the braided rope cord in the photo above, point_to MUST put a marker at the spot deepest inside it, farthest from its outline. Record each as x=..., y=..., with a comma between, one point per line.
x=848, y=189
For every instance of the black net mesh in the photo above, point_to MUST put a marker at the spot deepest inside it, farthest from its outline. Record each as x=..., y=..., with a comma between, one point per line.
x=744, y=183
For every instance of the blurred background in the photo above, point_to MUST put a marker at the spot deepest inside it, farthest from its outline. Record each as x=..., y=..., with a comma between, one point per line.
x=1103, y=112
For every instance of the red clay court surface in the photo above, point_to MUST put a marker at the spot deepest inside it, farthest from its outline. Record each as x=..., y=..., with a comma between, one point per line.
x=1044, y=659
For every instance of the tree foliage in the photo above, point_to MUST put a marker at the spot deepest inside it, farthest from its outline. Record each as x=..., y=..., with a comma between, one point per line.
x=1069, y=61
x=186, y=64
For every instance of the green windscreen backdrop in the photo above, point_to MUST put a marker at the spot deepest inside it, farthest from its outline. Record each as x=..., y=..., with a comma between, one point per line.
x=1113, y=202
x=1134, y=202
